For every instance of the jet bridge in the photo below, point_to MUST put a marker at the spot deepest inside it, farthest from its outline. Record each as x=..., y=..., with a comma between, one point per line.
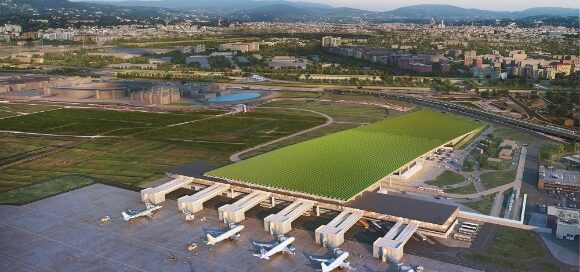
x=391, y=245
x=194, y=203
x=235, y=212
x=333, y=232
x=281, y=223
x=157, y=194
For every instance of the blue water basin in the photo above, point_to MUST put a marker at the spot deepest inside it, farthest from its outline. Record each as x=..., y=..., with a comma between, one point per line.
x=234, y=97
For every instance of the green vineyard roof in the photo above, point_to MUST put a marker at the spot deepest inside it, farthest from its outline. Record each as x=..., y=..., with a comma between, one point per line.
x=340, y=165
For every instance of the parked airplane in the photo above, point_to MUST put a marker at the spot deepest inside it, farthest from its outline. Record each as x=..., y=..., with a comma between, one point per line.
x=328, y=265
x=233, y=232
x=284, y=244
x=132, y=213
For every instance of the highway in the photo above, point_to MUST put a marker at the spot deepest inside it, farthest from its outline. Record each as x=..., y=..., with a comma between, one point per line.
x=547, y=129
x=477, y=113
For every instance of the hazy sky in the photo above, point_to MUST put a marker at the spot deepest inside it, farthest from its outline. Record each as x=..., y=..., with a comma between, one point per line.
x=510, y=5
x=383, y=5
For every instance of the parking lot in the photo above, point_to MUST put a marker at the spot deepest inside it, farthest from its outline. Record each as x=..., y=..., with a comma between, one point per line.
x=64, y=233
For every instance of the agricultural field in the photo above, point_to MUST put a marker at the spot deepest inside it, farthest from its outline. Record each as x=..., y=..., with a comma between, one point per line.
x=14, y=145
x=234, y=133
x=95, y=122
x=43, y=189
x=342, y=164
x=142, y=154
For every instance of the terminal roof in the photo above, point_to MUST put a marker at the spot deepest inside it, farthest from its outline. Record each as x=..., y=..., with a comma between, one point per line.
x=406, y=207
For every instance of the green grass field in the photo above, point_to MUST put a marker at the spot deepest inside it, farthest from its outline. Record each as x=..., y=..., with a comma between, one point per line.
x=342, y=164
x=25, y=108
x=43, y=189
x=483, y=206
x=446, y=178
x=469, y=189
x=509, y=247
x=495, y=179
x=341, y=112
x=511, y=134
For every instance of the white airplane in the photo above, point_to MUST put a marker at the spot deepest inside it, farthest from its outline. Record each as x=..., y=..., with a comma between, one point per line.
x=284, y=244
x=328, y=265
x=233, y=233
x=131, y=213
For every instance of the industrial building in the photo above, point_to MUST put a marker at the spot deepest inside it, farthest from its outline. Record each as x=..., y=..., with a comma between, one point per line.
x=239, y=46
x=564, y=222
x=556, y=179
x=148, y=92
x=279, y=62
x=11, y=84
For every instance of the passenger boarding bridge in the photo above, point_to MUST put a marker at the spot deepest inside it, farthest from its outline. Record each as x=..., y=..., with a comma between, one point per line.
x=333, y=232
x=281, y=223
x=157, y=194
x=391, y=245
x=235, y=212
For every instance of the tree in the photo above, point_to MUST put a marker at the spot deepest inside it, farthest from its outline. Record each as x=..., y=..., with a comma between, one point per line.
x=467, y=165
x=545, y=155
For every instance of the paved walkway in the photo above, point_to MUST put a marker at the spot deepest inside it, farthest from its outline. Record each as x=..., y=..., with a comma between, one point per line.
x=329, y=120
x=497, y=201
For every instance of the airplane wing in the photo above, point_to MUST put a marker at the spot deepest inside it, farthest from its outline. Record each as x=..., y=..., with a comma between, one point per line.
x=346, y=265
x=287, y=250
x=215, y=232
x=321, y=260
x=262, y=245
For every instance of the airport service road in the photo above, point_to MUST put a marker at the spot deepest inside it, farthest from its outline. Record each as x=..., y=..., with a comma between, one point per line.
x=63, y=233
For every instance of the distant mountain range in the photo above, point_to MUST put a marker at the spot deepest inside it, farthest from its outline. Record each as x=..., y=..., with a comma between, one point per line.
x=288, y=9
x=203, y=4
x=454, y=12
x=285, y=11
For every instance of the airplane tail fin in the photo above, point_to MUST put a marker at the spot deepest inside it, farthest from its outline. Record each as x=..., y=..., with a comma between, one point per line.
x=263, y=254
x=347, y=266
x=210, y=239
x=324, y=267
x=126, y=216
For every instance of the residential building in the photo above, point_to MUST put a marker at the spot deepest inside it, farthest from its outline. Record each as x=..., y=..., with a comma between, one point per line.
x=330, y=41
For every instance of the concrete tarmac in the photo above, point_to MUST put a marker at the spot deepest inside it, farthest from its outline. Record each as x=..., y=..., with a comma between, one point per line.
x=64, y=233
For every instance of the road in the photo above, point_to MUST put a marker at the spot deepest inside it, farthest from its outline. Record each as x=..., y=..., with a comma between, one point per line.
x=329, y=120
x=497, y=201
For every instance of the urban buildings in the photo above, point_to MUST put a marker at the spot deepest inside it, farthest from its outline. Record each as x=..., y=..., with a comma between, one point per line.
x=330, y=41
x=240, y=47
